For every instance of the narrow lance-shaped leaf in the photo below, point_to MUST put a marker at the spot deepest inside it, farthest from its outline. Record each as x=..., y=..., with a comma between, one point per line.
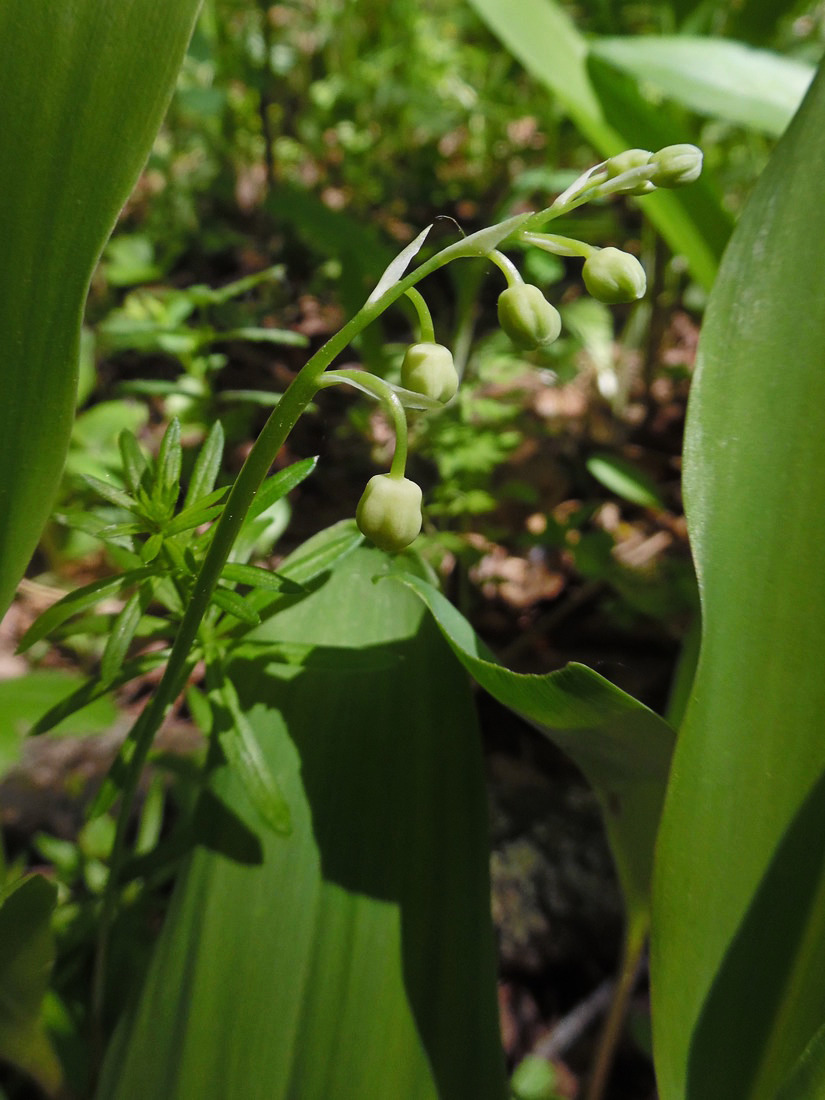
x=77, y=601
x=83, y=87
x=207, y=466
x=738, y=949
x=243, y=752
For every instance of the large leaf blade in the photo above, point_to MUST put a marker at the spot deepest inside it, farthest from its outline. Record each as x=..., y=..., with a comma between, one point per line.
x=622, y=748
x=358, y=956
x=739, y=881
x=83, y=87
x=716, y=77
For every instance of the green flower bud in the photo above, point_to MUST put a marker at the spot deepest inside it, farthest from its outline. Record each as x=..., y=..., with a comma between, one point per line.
x=389, y=511
x=613, y=276
x=623, y=162
x=527, y=317
x=429, y=369
x=676, y=164
x=534, y=1079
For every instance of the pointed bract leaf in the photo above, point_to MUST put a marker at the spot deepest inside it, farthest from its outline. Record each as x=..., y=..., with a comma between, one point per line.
x=396, y=269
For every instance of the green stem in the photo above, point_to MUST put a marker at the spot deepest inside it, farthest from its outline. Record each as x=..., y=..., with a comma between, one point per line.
x=363, y=380
x=425, y=319
x=273, y=436
x=634, y=944
x=506, y=265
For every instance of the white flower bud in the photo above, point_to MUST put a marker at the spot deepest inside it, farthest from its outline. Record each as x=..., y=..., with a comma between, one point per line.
x=527, y=317
x=676, y=164
x=429, y=369
x=389, y=511
x=613, y=276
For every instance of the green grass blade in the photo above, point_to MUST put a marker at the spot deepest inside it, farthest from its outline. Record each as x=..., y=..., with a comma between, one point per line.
x=357, y=960
x=83, y=87
x=622, y=748
x=739, y=898
x=715, y=77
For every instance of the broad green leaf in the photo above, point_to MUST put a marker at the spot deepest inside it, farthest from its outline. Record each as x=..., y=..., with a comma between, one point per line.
x=357, y=960
x=542, y=37
x=83, y=87
x=807, y=1078
x=739, y=898
x=622, y=748
x=26, y=958
x=716, y=77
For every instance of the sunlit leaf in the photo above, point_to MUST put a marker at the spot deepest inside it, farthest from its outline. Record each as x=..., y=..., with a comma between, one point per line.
x=358, y=956
x=622, y=748
x=714, y=76
x=739, y=903
x=83, y=92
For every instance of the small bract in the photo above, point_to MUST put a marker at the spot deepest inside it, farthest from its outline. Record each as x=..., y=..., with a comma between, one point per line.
x=623, y=162
x=389, y=511
x=527, y=317
x=613, y=276
x=429, y=369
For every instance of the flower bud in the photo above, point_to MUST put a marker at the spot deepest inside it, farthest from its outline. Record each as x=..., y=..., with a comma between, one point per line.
x=676, y=164
x=623, y=162
x=429, y=369
x=613, y=276
x=534, y=1079
x=527, y=317
x=389, y=511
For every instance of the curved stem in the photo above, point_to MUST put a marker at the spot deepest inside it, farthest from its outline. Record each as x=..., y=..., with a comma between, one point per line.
x=506, y=265
x=425, y=319
x=363, y=380
x=634, y=944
